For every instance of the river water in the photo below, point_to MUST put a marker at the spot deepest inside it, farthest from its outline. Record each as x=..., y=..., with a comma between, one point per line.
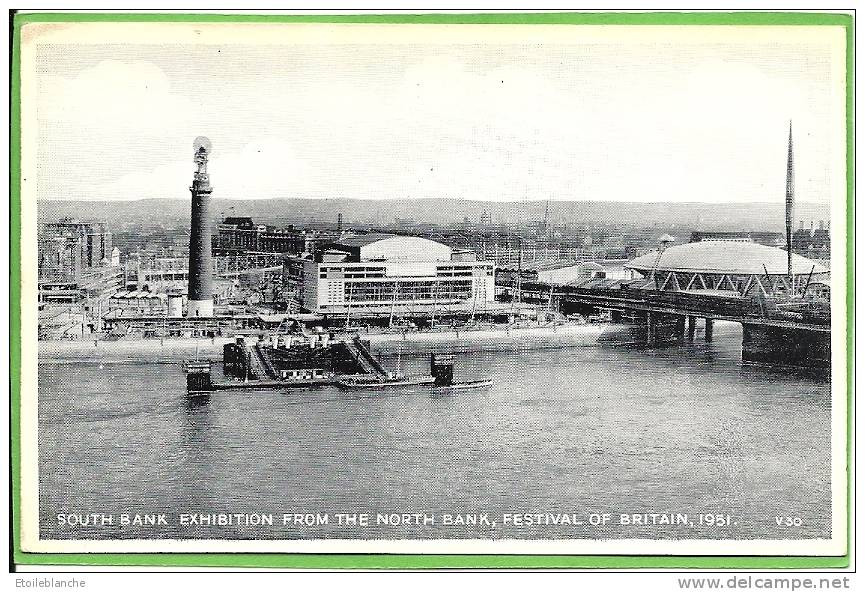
x=580, y=431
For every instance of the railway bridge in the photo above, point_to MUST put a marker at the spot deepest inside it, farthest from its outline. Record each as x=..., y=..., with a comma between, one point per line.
x=784, y=321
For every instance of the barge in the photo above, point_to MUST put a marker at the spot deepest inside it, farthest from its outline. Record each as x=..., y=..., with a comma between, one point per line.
x=309, y=361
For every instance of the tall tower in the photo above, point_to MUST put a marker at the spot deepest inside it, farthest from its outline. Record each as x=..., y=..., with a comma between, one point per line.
x=200, y=302
x=789, y=208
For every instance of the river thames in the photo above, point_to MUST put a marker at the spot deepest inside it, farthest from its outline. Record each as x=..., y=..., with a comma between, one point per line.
x=579, y=432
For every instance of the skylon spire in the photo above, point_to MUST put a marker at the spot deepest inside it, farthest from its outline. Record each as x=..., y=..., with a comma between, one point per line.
x=789, y=208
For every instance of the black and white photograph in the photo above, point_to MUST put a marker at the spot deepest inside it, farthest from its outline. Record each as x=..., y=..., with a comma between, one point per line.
x=434, y=288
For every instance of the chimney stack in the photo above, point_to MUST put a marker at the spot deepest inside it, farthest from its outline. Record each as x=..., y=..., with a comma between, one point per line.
x=200, y=303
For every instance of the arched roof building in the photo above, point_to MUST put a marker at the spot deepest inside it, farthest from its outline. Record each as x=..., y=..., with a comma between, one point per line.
x=391, y=247
x=377, y=274
x=725, y=266
x=573, y=274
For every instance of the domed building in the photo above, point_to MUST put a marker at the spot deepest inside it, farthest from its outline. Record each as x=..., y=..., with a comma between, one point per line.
x=377, y=274
x=725, y=268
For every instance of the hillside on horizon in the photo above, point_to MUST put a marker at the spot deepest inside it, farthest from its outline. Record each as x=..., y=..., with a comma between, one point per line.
x=705, y=216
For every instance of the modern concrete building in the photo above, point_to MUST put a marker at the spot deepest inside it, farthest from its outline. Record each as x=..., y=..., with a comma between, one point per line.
x=93, y=287
x=381, y=274
x=574, y=274
x=155, y=274
x=69, y=247
x=77, y=265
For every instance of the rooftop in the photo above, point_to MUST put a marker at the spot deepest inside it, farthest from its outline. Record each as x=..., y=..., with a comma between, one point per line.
x=238, y=220
x=362, y=240
x=741, y=258
x=391, y=247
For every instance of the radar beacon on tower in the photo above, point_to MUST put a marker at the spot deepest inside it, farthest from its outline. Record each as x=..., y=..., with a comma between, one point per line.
x=200, y=302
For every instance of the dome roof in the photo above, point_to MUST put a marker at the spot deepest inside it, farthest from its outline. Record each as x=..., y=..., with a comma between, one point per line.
x=734, y=257
x=362, y=240
x=392, y=247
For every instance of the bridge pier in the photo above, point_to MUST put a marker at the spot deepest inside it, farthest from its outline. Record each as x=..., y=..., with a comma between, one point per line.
x=785, y=346
x=651, y=329
x=663, y=328
x=680, y=328
x=655, y=317
x=692, y=327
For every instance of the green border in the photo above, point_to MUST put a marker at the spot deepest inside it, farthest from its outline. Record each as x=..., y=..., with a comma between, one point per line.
x=333, y=561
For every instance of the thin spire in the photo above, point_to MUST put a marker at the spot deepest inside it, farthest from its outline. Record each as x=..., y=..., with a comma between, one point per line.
x=789, y=208
x=547, y=215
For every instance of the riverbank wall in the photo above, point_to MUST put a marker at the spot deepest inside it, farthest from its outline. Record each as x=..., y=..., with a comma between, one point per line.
x=456, y=340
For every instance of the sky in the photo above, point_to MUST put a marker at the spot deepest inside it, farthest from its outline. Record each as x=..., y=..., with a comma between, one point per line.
x=508, y=118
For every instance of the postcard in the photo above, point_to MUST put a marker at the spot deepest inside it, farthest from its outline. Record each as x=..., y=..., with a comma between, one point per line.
x=417, y=287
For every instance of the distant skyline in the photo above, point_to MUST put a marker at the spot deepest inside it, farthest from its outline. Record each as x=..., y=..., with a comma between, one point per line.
x=698, y=216
x=636, y=118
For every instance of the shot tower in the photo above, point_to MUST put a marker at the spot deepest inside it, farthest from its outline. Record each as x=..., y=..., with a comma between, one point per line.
x=200, y=302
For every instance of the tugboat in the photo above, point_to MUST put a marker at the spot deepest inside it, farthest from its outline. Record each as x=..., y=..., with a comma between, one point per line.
x=442, y=371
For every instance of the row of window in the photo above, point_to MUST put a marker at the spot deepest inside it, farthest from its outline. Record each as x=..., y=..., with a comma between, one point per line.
x=352, y=269
x=400, y=291
x=455, y=274
x=456, y=267
x=370, y=272
x=352, y=272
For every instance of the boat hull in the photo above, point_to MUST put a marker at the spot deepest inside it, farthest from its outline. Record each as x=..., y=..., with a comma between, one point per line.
x=374, y=385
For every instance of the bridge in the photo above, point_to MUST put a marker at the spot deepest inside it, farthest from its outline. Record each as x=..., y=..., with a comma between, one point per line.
x=783, y=321
x=774, y=332
x=624, y=295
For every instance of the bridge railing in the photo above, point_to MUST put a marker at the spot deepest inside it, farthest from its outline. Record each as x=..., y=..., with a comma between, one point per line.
x=616, y=294
x=685, y=303
x=731, y=306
